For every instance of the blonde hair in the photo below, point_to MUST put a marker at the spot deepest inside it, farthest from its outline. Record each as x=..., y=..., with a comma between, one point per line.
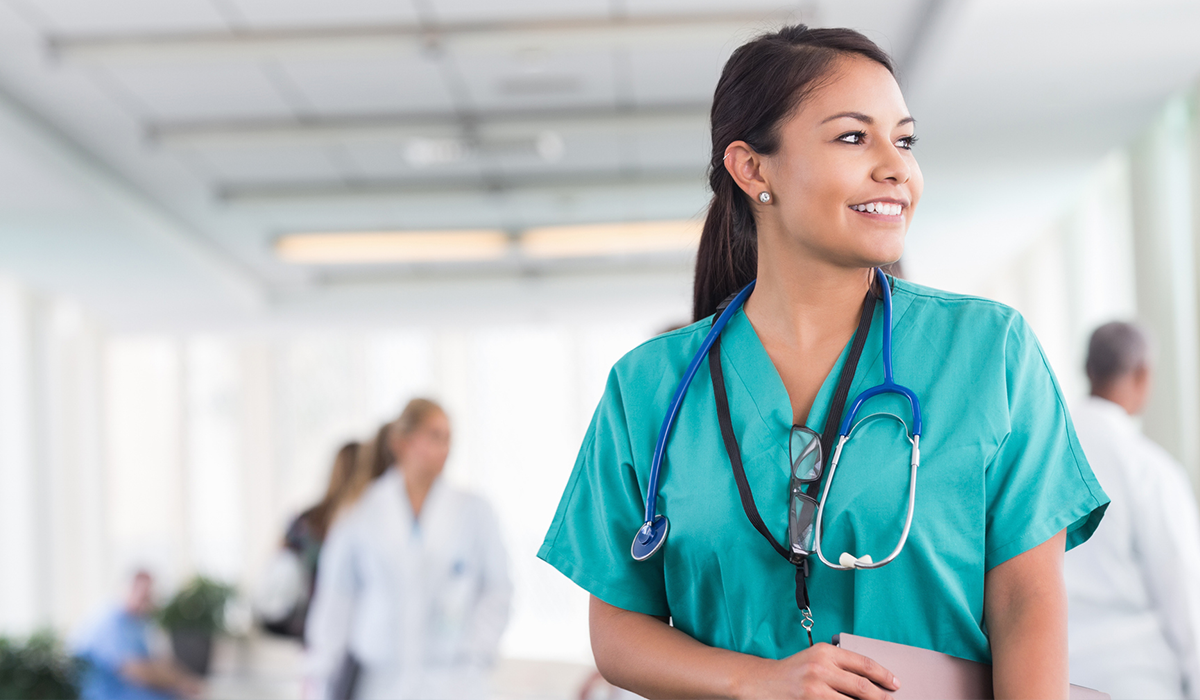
x=375, y=456
x=414, y=415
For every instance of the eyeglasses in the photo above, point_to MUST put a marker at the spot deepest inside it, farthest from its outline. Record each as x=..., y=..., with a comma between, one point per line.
x=807, y=464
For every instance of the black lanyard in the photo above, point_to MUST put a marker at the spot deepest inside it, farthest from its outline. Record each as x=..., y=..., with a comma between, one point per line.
x=827, y=437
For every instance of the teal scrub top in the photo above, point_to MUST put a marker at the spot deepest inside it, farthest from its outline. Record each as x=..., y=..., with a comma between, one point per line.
x=1001, y=472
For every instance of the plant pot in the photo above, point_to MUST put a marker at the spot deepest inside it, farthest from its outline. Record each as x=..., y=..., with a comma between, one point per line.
x=193, y=648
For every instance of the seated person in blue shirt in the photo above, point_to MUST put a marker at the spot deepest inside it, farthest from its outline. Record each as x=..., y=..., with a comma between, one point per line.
x=117, y=656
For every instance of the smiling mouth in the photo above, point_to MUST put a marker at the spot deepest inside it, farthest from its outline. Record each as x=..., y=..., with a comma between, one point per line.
x=879, y=208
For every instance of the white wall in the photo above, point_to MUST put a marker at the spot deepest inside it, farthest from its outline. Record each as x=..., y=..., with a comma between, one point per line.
x=189, y=453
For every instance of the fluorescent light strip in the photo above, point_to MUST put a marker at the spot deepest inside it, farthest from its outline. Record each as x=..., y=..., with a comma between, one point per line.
x=392, y=247
x=593, y=240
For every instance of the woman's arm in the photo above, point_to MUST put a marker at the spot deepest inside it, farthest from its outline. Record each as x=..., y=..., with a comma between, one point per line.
x=646, y=655
x=1025, y=609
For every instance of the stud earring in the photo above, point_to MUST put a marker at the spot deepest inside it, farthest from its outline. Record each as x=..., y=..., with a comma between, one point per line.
x=765, y=197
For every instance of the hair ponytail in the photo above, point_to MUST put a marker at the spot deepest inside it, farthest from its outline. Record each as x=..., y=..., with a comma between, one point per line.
x=728, y=256
x=761, y=85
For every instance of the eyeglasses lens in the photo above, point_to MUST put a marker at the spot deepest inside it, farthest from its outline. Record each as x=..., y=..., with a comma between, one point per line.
x=805, y=451
x=800, y=523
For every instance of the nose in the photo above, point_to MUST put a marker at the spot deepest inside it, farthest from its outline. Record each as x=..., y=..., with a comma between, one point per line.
x=891, y=165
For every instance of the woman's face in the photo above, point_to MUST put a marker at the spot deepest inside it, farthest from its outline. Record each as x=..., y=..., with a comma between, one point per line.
x=844, y=181
x=425, y=449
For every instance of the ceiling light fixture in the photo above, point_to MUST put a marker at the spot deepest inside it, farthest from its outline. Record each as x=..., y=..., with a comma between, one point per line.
x=392, y=247
x=422, y=153
x=591, y=240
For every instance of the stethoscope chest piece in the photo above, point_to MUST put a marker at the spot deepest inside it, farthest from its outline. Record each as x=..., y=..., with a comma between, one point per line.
x=650, y=538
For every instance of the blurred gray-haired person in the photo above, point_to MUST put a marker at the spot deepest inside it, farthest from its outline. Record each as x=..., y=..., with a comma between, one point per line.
x=1134, y=588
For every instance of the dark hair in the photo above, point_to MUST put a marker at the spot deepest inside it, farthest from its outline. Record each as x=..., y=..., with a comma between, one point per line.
x=1115, y=349
x=380, y=455
x=762, y=84
x=341, y=479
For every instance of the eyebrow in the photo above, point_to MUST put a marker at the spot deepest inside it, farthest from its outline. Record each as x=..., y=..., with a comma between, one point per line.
x=865, y=119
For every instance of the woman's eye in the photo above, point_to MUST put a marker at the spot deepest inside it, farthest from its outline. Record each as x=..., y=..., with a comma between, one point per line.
x=907, y=142
x=853, y=137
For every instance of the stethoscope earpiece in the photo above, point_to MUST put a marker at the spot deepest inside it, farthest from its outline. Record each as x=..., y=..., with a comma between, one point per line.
x=850, y=561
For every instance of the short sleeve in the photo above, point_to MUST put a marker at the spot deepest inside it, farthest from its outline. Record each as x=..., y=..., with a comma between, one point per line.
x=599, y=514
x=1038, y=481
x=114, y=642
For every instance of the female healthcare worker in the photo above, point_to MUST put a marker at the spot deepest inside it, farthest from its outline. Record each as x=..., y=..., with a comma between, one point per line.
x=413, y=580
x=814, y=185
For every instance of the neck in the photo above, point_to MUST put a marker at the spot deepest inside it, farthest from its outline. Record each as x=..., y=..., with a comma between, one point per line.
x=803, y=301
x=1122, y=396
x=417, y=484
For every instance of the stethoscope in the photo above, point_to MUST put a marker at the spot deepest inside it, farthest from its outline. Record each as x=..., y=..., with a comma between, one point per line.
x=652, y=534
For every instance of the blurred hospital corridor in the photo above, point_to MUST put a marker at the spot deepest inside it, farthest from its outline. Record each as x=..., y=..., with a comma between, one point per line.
x=237, y=236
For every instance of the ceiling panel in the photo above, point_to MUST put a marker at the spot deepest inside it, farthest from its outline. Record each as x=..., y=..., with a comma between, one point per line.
x=391, y=160
x=306, y=13
x=484, y=10
x=28, y=185
x=889, y=23
x=401, y=83
x=537, y=78
x=193, y=91
x=1077, y=96
x=270, y=164
x=677, y=75
x=79, y=108
x=598, y=152
x=673, y=149
x=663, y=7
x=1034, y=82
x=628, y=202
x=124, y=16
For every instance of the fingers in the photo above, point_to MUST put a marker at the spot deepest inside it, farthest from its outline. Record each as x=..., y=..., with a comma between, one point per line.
x=853, y=685
x=866, y=668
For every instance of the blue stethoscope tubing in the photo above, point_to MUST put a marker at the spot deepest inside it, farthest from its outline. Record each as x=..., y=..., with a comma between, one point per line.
x=652, y=534
x=848, y=561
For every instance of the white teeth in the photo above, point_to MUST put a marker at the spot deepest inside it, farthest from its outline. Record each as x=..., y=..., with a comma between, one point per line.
x=879, y=208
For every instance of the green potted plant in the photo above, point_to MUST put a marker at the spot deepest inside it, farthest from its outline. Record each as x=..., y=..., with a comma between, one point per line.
x=37, y=668
x=192, y=618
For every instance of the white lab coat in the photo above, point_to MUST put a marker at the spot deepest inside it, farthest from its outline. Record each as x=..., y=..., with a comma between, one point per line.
x=1134, y=587
x=421, y=605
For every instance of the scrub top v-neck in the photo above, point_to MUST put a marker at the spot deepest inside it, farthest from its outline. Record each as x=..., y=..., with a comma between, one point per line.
x=1001, y=472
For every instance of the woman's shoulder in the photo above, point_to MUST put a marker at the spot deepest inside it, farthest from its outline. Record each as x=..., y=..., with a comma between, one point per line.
x=931, y=297
x=674, y=348
x=375, y=496
x=958, y=312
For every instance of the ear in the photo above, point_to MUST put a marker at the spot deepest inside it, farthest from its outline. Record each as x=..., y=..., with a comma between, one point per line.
x=395, y=445
x=746, y=166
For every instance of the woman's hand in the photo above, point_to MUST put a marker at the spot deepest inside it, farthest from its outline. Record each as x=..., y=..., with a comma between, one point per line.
x=655, y=660
x=823, y=671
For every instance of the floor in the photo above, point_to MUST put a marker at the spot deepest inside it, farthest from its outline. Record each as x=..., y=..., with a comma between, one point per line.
x=270, y=668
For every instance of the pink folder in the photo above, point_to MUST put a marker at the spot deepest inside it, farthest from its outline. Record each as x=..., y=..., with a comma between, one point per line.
x=931, y=675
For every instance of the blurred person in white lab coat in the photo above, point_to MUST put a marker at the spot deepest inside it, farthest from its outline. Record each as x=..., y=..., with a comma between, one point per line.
x=412, y=590
x=1134, y=588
